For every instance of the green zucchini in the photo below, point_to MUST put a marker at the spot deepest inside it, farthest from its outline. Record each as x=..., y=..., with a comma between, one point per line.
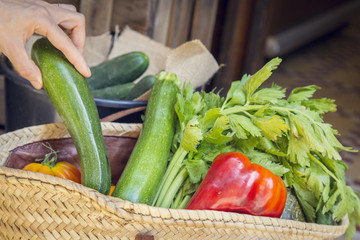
x=146, y=165
x=116, y=92
x=71, y=96
x=121, y=69
x=292, y=209
x=141, y=87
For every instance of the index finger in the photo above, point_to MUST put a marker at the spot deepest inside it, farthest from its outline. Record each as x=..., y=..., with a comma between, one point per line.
x=62, y=42
x=76, y=25
x=65, y=15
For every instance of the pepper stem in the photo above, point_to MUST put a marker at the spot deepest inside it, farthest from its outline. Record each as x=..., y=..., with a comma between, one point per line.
x=50, y=158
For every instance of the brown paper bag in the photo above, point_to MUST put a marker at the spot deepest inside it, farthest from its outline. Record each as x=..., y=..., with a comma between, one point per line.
x=97, y=49
x=192, y=62
x=130, y=40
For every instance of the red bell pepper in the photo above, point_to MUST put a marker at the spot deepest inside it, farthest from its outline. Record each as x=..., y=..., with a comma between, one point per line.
x=234, y=184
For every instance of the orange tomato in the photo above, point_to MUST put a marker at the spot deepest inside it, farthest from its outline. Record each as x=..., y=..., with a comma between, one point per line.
x=51, y=167
x=61, y=169
x=111, y=190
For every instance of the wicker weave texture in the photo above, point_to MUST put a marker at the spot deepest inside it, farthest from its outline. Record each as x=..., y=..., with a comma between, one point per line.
x=39, y=206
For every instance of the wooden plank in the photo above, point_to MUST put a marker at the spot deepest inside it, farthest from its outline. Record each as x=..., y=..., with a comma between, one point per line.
x=230, y=41
x=203, y=24
x=161, y=13
x=291, y=13
x=259, y=28
x=2, y=103
x=180, y=22
x=98, y=19
x=134, y=13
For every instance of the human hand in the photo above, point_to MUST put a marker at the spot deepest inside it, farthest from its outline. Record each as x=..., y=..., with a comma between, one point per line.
x=60, y=23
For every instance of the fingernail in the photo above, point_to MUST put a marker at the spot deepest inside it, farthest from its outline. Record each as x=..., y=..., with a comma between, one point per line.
x=36, y=84
x=88, y=71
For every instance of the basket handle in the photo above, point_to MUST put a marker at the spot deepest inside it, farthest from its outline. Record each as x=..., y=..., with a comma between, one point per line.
x=123, y=113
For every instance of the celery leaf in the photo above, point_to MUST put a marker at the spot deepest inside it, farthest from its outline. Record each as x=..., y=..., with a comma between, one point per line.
x=243, y=126
x=268, y=95
x=271, y=127
x=302, y=93
x=255, y=81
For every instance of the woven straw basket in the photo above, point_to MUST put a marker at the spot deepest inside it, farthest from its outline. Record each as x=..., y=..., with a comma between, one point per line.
x=38, y=206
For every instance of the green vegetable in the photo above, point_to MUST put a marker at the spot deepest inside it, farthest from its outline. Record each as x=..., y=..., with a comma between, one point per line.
x=122, y=69
x=116, y=92
x=285, y=135
x=70, y=94
x=147, y=163
x=292, y=210
x=141, y=87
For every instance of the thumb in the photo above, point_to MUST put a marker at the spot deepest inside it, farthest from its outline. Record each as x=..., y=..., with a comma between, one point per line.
x=24, y=65
x=30, y=71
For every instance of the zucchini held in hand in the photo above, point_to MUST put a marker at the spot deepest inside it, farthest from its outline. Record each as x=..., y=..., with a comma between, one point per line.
x=146, y=165
x=71, y=96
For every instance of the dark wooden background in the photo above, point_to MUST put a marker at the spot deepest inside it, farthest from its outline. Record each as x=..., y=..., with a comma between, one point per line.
x=234, y=31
